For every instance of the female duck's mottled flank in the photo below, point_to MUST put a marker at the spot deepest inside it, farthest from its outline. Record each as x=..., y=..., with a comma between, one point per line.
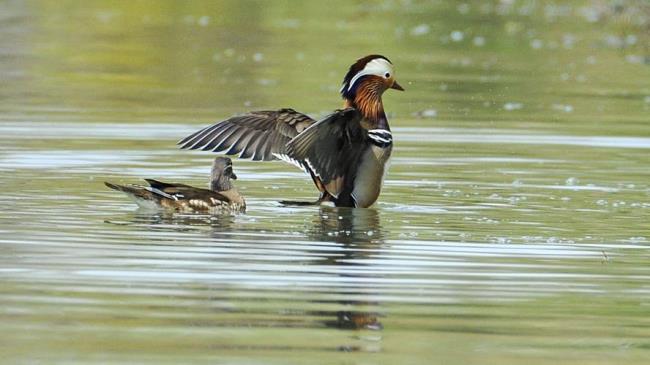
x=221, y=197
x=345, y=153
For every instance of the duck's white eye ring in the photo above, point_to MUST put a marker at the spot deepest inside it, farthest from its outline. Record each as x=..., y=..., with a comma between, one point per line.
x=387, y=75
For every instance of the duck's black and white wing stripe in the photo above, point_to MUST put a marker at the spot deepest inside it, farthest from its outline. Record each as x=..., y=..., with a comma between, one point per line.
x=260, y=135
x=332, y=148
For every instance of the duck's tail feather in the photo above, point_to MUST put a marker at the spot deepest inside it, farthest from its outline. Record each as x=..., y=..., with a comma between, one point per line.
x=131, y=190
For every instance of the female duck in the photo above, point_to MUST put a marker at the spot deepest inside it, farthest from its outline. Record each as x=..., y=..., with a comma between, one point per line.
x=221, y=197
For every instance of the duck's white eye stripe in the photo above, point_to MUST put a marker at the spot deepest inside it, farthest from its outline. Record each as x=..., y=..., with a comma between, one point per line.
x=377, y=66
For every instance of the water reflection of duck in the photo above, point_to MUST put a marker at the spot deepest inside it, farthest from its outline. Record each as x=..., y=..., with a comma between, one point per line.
x=221, y=197
x=345, y=153
x=173, y=222
x=359, y=231
x=355, y=228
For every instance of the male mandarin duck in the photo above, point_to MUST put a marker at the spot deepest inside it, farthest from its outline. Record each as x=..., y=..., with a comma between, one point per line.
x=222, y=196
x=345, y=153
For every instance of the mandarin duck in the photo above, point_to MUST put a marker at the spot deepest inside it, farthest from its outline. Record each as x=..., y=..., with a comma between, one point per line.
x=345, y=153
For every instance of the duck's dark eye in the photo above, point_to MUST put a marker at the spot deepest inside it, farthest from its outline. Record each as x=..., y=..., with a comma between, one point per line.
x=387, y=75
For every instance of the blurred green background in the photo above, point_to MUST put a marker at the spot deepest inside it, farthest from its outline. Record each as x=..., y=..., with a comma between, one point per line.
x=581, y=62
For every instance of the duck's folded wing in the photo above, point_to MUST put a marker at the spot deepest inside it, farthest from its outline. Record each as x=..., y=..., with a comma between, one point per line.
x=260, y=136
x=182, y=191
x=331, y=148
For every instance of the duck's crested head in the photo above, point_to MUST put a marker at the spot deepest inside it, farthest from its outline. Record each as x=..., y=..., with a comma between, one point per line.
x=221, y=174
x=374, y=71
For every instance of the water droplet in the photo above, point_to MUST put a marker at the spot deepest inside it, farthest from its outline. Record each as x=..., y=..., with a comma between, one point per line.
x=512, y=106
x=563, y=108
x=266, y=82
x=631, y=39
x=571, y=181
x=457, y=36
x=105, y=16
x=633, y=58
x=204, y=21
x=427, y=113
x=290, y=23
x=568, y=41
x=536, y=44
x=419, y=30
x=591, y=14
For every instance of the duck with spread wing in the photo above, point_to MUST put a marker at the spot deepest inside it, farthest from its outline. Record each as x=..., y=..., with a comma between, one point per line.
x=345, y=153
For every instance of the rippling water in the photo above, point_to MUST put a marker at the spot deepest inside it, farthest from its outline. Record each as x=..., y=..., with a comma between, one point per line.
x=513, y=226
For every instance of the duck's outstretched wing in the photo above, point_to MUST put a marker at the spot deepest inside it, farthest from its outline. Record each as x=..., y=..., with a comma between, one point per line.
x=260, y=135
x=332, y=148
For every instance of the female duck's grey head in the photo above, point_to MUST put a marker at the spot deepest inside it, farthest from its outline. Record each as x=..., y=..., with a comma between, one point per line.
x=222, y=174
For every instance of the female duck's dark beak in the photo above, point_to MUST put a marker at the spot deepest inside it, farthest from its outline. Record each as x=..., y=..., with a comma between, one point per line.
x=397, y=86
x=229, y=172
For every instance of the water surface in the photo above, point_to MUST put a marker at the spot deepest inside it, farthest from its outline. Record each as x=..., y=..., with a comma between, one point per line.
x=513, y=225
